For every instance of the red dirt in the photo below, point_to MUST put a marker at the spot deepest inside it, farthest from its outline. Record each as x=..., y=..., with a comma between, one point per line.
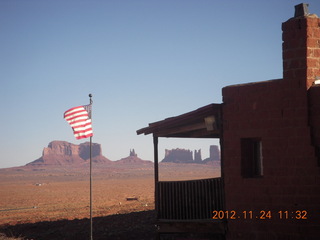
x=54, y=203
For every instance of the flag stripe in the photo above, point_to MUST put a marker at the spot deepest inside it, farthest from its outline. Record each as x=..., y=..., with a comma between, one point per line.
x=76, y=116
x=79, y=120
x=81, y=128
x=75, y=112
x=71, y=115
x=80, y=123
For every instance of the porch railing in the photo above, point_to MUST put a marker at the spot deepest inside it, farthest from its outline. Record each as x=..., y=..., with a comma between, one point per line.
x=189, y=200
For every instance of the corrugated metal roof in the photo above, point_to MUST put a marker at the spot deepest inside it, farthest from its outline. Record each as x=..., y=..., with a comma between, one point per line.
x=201, y=123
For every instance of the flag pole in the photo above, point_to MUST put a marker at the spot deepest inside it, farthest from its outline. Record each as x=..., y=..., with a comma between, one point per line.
x=91, y=238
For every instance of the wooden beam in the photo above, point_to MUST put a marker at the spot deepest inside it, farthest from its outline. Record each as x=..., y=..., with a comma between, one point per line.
x=156, y=174
x=185, y=121
x=182, y=129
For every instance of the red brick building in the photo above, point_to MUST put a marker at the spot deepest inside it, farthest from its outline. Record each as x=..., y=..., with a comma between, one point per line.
x=271, y=142
x=270, y=145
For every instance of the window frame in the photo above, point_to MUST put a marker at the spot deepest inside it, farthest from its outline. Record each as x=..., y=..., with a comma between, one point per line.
x=251, y=158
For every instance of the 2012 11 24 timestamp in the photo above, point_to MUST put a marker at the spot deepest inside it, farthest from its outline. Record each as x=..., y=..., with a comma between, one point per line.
x=260, y=215
x=297, y=214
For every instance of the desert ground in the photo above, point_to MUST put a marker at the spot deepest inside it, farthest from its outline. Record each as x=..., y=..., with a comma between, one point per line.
x=53, y=203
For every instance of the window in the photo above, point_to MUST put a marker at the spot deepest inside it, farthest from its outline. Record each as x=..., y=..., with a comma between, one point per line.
x=251, y=157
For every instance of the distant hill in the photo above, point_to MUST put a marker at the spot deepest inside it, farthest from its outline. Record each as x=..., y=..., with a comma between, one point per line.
x=65, y=153
x=62, y=153
x=179, y=155
x=132, y=159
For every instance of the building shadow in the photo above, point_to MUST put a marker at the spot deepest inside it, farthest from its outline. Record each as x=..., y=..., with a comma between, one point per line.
x=134, y=225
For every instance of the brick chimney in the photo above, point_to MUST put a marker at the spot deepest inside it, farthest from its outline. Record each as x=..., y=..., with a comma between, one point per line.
x=301, y=48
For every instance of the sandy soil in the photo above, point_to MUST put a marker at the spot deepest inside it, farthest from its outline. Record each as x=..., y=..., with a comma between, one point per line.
x=54, y=204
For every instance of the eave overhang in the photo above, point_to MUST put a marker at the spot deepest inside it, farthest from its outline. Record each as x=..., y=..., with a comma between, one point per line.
x=201, y=123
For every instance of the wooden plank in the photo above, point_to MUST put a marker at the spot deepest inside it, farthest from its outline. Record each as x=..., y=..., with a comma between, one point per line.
x=194, y=199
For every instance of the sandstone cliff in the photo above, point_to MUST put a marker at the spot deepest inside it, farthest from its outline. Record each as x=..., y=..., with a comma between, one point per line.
x=179, y=155
x=65, y=153
x=214, y=154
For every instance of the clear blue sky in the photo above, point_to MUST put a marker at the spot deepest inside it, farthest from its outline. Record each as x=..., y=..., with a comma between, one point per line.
x=143, y=61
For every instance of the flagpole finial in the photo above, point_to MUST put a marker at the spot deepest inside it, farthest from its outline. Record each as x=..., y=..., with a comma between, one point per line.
x=90, y=96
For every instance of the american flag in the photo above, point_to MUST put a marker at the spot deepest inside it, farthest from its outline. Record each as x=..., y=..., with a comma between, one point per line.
x=79, y=119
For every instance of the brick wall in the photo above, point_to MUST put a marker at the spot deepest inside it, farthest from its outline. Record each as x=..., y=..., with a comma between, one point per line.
x=314, y=120
x=301, y=51
x=285, y=115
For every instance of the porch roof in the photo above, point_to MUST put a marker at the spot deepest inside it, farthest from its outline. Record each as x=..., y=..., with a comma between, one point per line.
x=203, y=122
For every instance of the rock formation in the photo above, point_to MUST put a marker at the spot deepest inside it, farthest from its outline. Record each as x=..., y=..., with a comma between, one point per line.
x=197, y=156
x=178, y=155
x=65, y=153
x=133, y=158
x=185, y=155
x=133, y=153
x=214, y=154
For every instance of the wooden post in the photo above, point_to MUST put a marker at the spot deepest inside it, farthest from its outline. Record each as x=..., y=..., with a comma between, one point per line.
x=156, y=174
